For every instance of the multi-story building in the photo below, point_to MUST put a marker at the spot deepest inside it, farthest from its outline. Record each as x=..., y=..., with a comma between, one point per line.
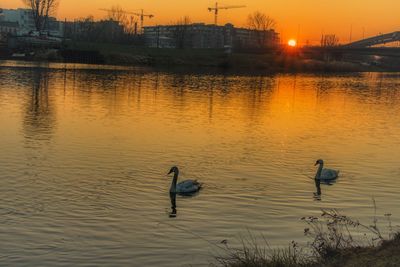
x=21, y=16
x=26, y=23
x=7, y=27
x=247, y=38
x=200, y=35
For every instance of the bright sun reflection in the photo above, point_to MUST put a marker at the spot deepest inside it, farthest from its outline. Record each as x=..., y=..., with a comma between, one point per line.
x=292, y=43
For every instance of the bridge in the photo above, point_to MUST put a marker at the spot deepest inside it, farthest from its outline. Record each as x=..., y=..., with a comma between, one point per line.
x=338, y=51
x=364, y=47
x=376, y=40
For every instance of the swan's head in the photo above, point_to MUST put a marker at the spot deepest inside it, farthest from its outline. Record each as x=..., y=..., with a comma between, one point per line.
x=320, y=161
x=173, y=170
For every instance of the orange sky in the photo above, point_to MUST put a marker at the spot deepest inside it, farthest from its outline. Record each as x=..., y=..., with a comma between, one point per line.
x=312, y=17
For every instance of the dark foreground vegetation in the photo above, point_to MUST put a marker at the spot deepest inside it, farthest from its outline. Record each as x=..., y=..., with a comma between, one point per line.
x=336, y=240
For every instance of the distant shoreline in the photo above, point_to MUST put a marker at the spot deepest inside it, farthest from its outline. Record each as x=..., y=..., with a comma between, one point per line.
x=272, y=61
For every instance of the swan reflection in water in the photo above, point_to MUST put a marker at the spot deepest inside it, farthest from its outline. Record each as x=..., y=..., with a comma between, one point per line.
x=172, y=197
x=318, y=194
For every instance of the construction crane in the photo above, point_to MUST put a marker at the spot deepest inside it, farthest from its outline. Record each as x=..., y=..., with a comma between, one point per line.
x=217, y=8
x=141, y=15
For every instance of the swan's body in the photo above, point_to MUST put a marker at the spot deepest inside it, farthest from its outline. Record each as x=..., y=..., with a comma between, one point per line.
x=324, y=174
x=184, y=187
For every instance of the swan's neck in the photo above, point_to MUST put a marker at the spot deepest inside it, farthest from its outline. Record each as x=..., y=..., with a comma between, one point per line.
x=319, y=171
x=174, y=181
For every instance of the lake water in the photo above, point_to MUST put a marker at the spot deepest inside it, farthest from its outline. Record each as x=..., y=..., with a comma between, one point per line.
x=85, y=151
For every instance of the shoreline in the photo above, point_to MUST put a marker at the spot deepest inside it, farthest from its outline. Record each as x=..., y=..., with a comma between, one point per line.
x=385, y=254
x=189, y=60
x=333, y=242
x=329, y=68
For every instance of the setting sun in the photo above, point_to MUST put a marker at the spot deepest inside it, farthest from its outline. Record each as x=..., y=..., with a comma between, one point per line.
x=292, y=43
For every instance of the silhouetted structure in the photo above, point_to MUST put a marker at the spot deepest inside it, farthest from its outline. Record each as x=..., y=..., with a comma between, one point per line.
x=200, y=35
x=376, y=40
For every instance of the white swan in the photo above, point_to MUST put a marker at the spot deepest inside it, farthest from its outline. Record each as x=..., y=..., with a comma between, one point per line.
x=184, y=187
x=325, y=174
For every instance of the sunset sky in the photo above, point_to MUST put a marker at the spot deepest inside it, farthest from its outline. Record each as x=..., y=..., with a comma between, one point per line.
x=309, y=18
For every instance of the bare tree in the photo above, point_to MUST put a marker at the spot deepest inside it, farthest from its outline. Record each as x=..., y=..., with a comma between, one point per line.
x=41, y=10
x=131, y=26
x=87, y=29
x=261, y=23
x=116, y=13
x=329, y=40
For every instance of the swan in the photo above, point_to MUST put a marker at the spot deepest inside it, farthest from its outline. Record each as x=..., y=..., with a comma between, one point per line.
x=325, y=174
x=184, y=187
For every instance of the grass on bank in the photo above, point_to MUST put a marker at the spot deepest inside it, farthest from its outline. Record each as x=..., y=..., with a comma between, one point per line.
x=336, y=240
x=253, y=255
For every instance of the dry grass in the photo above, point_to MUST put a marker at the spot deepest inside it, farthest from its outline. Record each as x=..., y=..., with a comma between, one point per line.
x=253, y=255
x=335, y=240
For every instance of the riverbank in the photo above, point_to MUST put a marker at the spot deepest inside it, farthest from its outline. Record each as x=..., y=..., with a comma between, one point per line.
x=386, y=254
x=333, y=244
x=270, y=61
x=127, y=55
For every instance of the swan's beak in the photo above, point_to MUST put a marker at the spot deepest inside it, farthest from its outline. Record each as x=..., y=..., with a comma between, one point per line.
x=316, y=163
x=169, y=172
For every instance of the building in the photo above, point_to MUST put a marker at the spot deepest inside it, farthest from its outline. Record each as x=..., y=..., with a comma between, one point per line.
x=247, y=38
x=207, y=36
x=7, y=27
x=26, y=23
x=193, y=36
x=23, y=17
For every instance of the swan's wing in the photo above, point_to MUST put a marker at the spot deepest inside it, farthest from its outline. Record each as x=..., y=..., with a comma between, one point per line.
x=187, y=183
x=329, y=174
x=188, y=186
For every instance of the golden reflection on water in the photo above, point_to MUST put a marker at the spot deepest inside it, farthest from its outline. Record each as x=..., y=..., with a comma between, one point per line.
x=95, y=144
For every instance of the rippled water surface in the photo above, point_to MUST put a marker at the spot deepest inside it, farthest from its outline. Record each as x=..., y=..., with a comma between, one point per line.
x=85, y=151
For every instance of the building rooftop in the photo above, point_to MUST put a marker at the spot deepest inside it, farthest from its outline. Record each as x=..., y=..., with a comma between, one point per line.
x=192, y=24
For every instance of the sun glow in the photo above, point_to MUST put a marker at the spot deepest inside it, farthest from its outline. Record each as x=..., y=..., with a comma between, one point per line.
x=292, y=43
